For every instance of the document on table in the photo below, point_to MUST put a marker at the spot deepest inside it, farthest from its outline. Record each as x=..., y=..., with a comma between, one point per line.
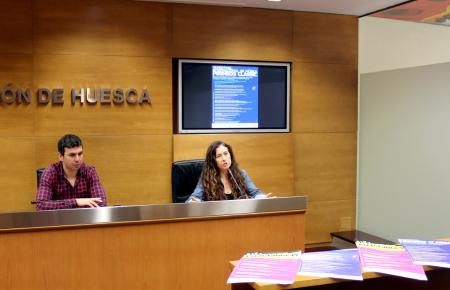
x=388, y=259
x=277, y=268
x=428, y=252
x=341, y=264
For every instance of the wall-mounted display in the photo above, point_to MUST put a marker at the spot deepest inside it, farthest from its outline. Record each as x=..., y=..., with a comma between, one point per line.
x=216, y=96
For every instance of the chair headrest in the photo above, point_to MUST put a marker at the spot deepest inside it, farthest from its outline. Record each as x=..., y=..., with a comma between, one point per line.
x=185, y=175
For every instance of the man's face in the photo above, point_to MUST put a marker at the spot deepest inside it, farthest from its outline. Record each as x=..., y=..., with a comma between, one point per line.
x=72, y=158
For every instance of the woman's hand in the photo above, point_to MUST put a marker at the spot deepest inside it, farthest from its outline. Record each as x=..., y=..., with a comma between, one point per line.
x=193, y=199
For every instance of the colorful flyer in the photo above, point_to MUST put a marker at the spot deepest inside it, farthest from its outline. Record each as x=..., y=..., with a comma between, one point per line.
x=428, y=252
x=388, y=259
x=275, y=268
x=341, y=264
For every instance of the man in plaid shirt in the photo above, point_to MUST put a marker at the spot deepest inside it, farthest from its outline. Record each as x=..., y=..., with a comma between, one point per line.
x=70, y=183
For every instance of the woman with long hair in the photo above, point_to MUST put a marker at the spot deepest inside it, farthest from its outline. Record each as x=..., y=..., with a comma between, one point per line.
x=221, y=178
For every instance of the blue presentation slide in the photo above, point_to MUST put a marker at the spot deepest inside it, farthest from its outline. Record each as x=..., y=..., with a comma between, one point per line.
x=235, y=96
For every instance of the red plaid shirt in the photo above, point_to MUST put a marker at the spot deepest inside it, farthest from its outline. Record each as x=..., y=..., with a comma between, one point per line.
x=56, y=192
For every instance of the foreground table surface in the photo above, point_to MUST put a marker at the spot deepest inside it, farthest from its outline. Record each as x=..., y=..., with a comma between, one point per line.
x=438, y=279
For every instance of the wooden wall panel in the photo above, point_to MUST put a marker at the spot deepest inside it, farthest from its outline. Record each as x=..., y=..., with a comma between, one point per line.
x=133, y=169
x=231, y=33
x=324, y=97
x=16, y=26
x=16, y=119
x=324, y=120
x=102, y=27
x=268, y=158
x=17, y=181
x=325, y=38
x=121, y=43
x=325, y=166
x=73, y=71
x=325, y=170
x=324, y=217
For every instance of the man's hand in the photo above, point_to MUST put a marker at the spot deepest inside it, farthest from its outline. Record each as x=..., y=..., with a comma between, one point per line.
x=91, y=202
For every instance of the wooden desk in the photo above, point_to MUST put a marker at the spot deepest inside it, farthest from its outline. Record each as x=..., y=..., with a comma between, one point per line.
x=176, y=246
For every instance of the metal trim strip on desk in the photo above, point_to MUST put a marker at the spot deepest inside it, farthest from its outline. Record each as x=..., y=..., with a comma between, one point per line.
x=147, y=213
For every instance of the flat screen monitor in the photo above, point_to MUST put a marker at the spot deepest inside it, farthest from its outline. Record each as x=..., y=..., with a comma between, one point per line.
x=216, y=96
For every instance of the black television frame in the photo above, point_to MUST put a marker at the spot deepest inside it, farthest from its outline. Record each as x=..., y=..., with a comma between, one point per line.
x=178, y=63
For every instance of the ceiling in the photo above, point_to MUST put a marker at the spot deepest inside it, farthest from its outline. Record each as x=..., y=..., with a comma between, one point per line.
x=427, y=11
x=346, y=7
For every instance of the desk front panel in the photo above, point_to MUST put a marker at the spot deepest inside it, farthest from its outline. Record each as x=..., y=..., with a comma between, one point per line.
x=189, y=253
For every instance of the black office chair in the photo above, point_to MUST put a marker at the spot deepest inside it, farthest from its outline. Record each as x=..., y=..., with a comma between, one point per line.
x=39, y=172
x=185, y=175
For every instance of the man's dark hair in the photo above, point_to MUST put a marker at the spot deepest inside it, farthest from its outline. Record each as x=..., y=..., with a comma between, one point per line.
x=68, y=141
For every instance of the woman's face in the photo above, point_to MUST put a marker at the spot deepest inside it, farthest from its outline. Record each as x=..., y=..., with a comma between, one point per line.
x=223, y=158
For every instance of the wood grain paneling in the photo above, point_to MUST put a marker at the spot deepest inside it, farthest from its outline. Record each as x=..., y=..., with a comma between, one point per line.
x=16, y=26
x=324, y=217
x=133, y=169
x=325, y=38
x=325, y=166
x=121, y=43
x=17, y=181
x=268, y=158
x=178, y=255
x=231, y=33
x=16, y=119
x=324, y=97
x=102, y=27
x=72, y=71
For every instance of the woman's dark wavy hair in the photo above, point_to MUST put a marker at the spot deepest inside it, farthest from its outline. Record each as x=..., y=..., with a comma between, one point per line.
x=212, y=186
